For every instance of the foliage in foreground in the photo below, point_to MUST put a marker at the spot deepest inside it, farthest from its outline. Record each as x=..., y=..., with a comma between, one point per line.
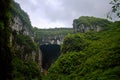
x=25, y=70
x=5, y=46
x=25, y=66
x=95, y=56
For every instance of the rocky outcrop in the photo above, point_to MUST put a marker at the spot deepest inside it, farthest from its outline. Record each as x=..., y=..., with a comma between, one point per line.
x=22, y=38
x=85, y=24
x=83, y=28
x=18, y=27
x=51, y=40
x=40, y=60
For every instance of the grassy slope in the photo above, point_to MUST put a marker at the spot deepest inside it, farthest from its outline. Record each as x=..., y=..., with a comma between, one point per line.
x=96, y=56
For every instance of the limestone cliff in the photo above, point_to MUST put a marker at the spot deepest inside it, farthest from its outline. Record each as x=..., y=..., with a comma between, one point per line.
x=51, y=36
x=18, y=26
x=85, y=24
x=22, y=38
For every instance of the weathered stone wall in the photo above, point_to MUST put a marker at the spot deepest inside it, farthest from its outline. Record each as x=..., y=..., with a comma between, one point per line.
x=18, y=26
x=83, y=28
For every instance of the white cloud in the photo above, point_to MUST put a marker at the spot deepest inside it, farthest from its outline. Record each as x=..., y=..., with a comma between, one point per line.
x=57, y=13
x=34, y=2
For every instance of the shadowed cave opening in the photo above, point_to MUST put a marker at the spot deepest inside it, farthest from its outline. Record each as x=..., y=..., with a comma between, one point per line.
x=50, y=53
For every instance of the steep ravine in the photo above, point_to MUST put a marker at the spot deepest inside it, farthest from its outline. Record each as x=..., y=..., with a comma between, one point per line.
x=32, y=59
x=91, y=53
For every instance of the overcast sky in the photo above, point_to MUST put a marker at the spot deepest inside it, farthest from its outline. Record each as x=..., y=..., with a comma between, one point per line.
x=60, y=13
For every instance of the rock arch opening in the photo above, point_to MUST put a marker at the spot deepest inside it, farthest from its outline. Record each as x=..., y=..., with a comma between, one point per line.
x=50, y=53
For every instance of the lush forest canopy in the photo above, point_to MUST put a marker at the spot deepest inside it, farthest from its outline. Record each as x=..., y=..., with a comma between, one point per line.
x=91, y=55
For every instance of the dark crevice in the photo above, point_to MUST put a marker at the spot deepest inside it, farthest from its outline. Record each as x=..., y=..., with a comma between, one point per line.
x=50, y=53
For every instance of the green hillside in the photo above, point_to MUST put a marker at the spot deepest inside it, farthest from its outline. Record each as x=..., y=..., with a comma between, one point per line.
x=89, y=56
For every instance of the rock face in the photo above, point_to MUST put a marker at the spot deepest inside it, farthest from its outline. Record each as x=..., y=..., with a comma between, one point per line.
x=85, y=24
x=51, y=36
x=51, y=40
x=82, y=28
x=18, y=26
x=22, y=38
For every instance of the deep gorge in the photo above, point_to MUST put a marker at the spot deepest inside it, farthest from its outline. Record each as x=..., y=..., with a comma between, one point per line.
x=88, y=51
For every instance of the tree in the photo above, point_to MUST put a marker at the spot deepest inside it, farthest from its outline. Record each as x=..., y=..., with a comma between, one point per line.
x=5, y=47
x=115, y=11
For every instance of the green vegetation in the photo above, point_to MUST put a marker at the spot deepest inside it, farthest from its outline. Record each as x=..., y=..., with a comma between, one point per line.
x=26, y=44
x=26, y=41
x=115, y=9
x=17, y=11
x=89, y=56
x=88, y=21
x=25, y=70
x=42, y=33
x=24, y=67
x=5, y=47
x=85, y=56
x=73, y=40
